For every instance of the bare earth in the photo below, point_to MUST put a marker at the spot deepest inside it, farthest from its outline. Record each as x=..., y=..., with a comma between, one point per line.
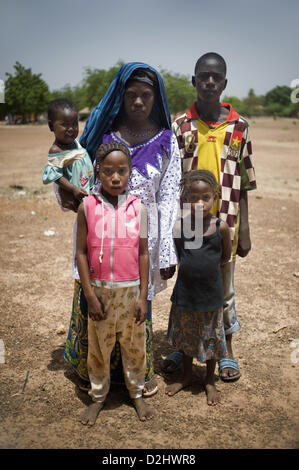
x=258, y=411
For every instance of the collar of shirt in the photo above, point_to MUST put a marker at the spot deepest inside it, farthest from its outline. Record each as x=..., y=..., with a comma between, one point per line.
x=232, y=115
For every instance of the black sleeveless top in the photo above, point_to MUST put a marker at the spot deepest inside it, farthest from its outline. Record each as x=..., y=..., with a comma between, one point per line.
x=198, y=286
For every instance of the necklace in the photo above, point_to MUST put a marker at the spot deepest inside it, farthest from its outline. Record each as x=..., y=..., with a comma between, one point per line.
x=66, y=146
x=140, y=134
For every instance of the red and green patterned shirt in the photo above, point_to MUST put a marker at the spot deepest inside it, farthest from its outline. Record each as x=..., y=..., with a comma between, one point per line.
x=224, y=149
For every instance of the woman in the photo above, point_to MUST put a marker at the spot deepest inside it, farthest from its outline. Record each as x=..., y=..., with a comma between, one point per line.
x=134, y=111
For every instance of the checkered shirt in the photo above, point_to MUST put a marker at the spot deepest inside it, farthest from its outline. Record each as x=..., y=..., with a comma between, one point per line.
x=237, y=171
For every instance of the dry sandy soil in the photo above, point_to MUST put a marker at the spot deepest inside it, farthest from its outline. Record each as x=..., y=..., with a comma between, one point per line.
x=260, y=411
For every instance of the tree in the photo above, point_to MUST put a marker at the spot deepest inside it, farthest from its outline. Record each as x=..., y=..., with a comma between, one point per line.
x=179, y=90
x=278, y=95
x=25, y=92
x=76, y=94
x=278, y=102
x=253, y=105
x=180, y=93
x=96, y=82
x=236, y=103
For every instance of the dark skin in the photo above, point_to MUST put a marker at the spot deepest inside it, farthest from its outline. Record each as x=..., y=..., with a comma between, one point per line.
x=113, y=174
x=201, y=195
x=65, y=127
x=135, y=125
x=210, y=81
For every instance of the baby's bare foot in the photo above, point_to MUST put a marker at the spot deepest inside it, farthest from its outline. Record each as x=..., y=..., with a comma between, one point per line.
x=90, y=415
x=213, y=396
x=144, y=411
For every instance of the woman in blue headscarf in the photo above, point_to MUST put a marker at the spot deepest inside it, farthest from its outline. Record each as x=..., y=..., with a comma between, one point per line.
x=134, y=111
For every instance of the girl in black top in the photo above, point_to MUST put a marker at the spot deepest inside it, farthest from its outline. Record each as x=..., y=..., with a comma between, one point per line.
x=196, y=320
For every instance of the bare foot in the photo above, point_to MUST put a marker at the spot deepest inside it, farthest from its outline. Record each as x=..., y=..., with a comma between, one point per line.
x=144, y=411
x=172, y=389
x=90, y=415
x=213, y=396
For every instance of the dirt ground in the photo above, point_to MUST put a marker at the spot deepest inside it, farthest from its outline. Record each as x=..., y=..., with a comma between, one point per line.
x=40, y=402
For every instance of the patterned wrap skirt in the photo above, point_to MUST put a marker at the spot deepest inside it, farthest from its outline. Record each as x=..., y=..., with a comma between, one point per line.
x=198, y=334
x=76, y=347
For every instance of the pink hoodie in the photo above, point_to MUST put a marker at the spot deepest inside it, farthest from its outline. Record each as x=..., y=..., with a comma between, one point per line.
x=113, y=238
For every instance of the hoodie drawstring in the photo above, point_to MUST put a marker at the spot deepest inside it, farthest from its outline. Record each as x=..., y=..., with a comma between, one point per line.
x=103, y=228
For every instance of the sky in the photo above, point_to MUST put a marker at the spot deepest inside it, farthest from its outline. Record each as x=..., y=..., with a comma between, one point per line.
x=59, y=39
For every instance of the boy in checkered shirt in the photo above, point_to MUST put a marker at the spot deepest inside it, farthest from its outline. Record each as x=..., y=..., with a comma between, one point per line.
x=214, y=137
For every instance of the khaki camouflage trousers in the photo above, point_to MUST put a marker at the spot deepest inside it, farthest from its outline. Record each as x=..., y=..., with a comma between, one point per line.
x=119, y=325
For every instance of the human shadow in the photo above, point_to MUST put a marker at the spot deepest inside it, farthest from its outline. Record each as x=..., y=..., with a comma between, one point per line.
x=162, y=349
x=118, y=394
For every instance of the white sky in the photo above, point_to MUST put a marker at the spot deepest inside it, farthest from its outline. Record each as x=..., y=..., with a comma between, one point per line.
x=59, y=38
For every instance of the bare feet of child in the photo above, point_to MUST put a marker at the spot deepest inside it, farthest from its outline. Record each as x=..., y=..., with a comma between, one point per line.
x=186, y=380
x=144, y=411
x=90, y=415
x=172, y=389
x=213, y=396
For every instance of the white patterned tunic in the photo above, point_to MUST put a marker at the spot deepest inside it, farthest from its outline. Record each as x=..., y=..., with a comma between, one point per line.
x=155, y=179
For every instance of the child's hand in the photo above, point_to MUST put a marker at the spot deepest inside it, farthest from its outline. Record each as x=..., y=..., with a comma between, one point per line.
x=79, y=193
x=167, y=273
x=96, y=309
x=140, y=311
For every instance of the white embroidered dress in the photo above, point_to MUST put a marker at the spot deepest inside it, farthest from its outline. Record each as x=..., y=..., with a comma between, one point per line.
x=155, y=179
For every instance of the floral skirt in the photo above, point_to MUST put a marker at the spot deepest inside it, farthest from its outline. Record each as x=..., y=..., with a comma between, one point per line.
x=198, y=334
x=76, y=347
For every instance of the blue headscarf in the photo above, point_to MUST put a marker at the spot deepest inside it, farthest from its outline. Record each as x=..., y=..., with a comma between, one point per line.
x=103, y=115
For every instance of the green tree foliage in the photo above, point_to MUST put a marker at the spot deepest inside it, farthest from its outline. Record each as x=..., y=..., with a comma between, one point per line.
x=25, y=92
x=96, y=83
x=180, y=92
x=278, y=95
x=92, y=89
x=236, y=103
x=253, y=104
x=278, y=102
x=76, y=94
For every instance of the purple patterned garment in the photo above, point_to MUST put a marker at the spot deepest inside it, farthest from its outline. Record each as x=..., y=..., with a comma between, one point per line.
x=155, y=180
x=149, y=152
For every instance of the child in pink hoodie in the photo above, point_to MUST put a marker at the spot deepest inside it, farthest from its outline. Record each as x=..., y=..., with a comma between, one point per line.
x=113, y=263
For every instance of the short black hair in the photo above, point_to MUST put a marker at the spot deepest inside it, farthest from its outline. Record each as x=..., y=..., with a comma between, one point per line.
x=109, y=147
x=59, y=103
x=211, y=55
x=198, y=175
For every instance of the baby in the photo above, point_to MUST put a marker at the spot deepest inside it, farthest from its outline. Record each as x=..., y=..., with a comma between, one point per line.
x=69, y=165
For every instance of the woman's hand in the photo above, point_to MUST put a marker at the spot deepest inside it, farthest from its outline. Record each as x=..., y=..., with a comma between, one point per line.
x=167, y=273
x=79, y=193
